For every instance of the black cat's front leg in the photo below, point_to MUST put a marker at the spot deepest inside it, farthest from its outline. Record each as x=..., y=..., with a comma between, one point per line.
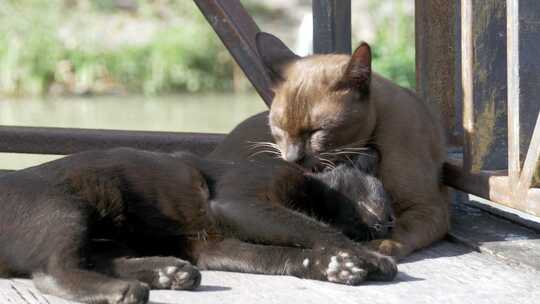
x=157, y=272
x=259, y=222
x=275, y=225
x=324, y=265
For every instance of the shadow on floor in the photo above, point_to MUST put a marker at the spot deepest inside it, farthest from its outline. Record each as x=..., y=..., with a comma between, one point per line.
x=480, y=227
x=441, y=249
x=212, y=288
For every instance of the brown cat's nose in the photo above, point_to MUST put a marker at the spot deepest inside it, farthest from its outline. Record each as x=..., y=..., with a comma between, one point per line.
x=293, y=153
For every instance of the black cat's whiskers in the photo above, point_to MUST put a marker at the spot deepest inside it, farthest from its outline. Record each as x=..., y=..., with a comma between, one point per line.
x=347, y=153
x=326, y=162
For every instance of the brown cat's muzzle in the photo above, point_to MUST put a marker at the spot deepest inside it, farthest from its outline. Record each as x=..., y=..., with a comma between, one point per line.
x=293, y=153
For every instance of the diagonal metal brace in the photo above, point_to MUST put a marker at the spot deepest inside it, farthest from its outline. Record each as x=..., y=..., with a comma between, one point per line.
x=237, y=30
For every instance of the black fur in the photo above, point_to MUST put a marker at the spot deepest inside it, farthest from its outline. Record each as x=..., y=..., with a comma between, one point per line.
x=250, y=217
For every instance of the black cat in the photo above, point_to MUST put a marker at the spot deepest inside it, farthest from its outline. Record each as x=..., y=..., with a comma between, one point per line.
x=105, y=226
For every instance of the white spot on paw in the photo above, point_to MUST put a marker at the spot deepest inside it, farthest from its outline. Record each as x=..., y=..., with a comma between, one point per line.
x=163, y=279
x=343, y=268
x=333, y=266
x=344, y=254
x=183, y=275
x=306, y=263
x=171, y=269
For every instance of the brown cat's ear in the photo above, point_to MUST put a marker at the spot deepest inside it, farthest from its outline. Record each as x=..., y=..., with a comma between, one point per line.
x=274, y=54
x=358, y=72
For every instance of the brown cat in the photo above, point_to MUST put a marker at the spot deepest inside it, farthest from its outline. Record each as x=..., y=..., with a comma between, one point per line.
x=325, y=106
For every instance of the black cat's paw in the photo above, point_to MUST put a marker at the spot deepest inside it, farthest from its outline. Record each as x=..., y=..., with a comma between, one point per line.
x=179, y=276
x=350, y=266
x=129, y=292
x=334, y=265
x=380, y=267
x=344, y=268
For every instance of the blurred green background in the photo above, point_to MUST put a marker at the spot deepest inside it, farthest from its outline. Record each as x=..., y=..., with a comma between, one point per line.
x=156, y=64
x=83, y=47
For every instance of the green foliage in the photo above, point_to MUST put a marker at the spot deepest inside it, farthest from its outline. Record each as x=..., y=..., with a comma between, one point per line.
x=183, y=55
x=393, y=47
x=50, y=46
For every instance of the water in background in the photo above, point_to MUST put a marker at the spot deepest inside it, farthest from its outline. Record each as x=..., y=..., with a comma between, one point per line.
x=182, y=113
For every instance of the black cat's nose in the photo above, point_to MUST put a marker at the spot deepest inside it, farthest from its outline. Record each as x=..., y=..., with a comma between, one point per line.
x=377, y=227
x=391, y=221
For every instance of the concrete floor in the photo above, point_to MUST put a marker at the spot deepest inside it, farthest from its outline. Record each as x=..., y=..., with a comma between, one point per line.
x=447, y=272
x=486, y=259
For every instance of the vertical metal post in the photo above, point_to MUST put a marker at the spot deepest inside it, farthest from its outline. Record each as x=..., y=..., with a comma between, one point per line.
x=466, y=80
x=512, y=45
x=529, y=79
x=435, y=33
x=484, y=84
x=331, y=26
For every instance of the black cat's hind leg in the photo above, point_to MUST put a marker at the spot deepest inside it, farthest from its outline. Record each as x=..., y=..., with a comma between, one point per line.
x=157, y=272
x=62, y=245
x=256, y=222
x=322, y=265
x=90, y=287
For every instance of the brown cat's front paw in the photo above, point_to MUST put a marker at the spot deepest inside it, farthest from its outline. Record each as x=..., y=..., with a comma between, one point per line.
x=389, y=247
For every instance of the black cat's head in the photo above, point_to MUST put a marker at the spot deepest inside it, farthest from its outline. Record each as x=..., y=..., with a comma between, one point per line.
x=364, y=208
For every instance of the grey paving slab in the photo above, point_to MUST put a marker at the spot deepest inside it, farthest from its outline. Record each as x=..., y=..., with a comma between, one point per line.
x=444, y=273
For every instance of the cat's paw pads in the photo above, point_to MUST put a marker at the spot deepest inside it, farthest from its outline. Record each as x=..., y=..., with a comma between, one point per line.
x=178, y=277
x=343, y=268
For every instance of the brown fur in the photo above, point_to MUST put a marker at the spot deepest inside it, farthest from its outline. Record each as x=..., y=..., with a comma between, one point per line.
x=327, y=102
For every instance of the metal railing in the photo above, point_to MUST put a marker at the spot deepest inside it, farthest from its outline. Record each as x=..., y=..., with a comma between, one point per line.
x=500, y=156
x=446, y=43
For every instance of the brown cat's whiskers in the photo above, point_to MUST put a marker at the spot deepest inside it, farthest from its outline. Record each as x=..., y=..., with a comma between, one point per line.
x=260, y=144
x=267, y=148
x=271, y=152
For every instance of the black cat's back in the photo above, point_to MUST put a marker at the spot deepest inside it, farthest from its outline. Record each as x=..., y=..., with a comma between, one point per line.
x=100, y=194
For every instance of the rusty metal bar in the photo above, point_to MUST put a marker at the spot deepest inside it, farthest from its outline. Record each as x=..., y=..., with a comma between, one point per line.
x=67, y=141
x=467, y=81
x=237, y=30
x=512, y=31
x=493, y=186
x=331, y=26
x=484, y=84
x=487, y=184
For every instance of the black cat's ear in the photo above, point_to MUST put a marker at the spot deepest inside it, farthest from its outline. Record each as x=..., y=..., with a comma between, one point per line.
x=274, y=54
x=358, y=72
